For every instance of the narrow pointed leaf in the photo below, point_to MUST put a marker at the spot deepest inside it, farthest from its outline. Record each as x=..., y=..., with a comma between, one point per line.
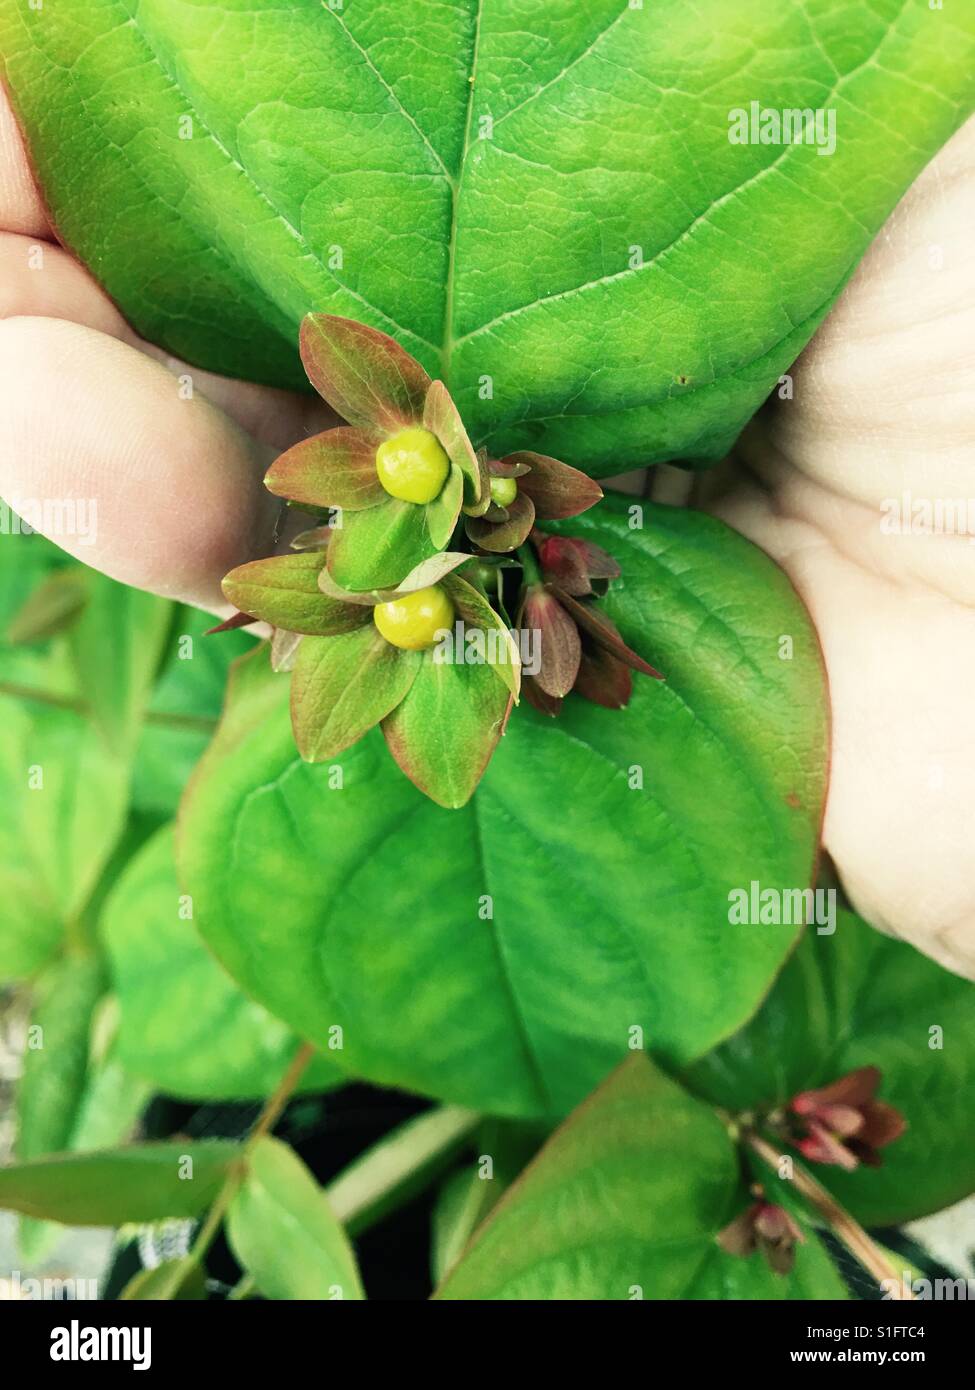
x=334, y=469
x=231, y=624
x=478, y=615
x=365, y=375
x=378, y=548
x=342, y=686
x=145, y=1182
x=606, y=636
x=444, y=732
x=505, y=535
x=53, y=607
x=443, y=511
x=556, y=489
x=283, y=590
x=602, y=678
x=442, y=417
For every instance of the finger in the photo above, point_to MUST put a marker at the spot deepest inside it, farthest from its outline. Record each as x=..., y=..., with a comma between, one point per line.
x=160, y=491
x=21, y=209
x=42, y=280
x=901, y=662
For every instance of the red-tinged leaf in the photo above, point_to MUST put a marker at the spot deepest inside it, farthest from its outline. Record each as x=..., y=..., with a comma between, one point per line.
x=507, y=467
x=284, y=591
x=443, y=733
x=852, y=1089
x=284, y=649
x=378, y=548
x=232, y=623
x=318, y=538
x=573, y=564
x=342, y=686
x=503, y=536
x=556, y=489
x=363, y=374
x=442, y=417
x=557, y=642
x=334, y=469
x=591, y=621
x=536, y=696
x=602, y=679
x=443, y=511
x=477, y=615
x=52, y=608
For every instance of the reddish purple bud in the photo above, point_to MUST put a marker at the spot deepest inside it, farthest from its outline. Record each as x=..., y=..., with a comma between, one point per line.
x=573, y=564
x=560, y=649
x=843, y=1124
x=766, y=1228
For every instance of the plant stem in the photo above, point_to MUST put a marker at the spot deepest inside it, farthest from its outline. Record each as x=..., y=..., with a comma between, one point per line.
x=839, y=1220
x=529, y=564
x=266, y=1121
x=404, y=1161
x=279, y=1098
x=198, y=723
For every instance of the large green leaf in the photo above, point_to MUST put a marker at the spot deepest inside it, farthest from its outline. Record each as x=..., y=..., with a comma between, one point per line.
x=184, y=1024
x=501, y=956
x=542, y=204
x=284, y=1233
x=63, y=809
x=855, y=999
x=625, y=1201
x=114, y=1186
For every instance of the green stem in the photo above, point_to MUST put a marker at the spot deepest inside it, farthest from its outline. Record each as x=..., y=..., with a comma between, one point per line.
x=837, y=1218
x=198, y=723
x=529, y=564
x=266, y=1121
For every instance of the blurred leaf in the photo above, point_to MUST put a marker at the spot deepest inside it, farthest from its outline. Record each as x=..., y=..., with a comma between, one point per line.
x=61, y=814
x=283, y=1231
x=185, y=1025
x=117, y=646
x=625, y=1201
x=116, y=1186
x=55, y=1067
x=852, y=999
x=471, y=1192
x=184, y=708
x=53, y=607
x=173, y=1279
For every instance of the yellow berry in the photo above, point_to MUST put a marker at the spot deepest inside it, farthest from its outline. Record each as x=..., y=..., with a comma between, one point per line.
x=412, y=465
x=504, y=491
x=414, y=620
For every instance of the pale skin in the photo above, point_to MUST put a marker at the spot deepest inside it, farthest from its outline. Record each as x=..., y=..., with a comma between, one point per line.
x=883, y=403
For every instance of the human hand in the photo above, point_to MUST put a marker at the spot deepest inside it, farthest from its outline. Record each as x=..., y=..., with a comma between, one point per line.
x=884, y=404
